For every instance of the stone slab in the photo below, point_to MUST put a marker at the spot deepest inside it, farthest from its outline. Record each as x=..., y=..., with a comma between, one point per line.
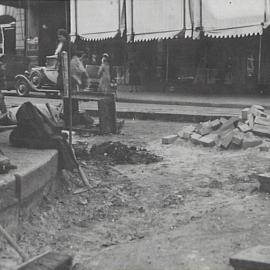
x=261, y=130
x=251, y=141
x=250, y=120
x=226, y=139
x=257, y=107
x=244, y=127
x=237, y=138
x=257, y=110
x=215, y=124
x=205, y=130
x=195, y=138
x=36, y=177
x=255, y=258
x=169, y=139
x=181, y=134
x=208, y=140
x=244, y=114
x=262, y=121
x=223, y=120
x=187, y=131
x=8, y=196
x=264, y=180
x=229, y=124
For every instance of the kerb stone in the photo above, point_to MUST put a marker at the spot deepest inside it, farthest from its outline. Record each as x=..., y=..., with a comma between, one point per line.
x=255, y=258
x=264, y=180
x=208, y=140
x=169, y=139
x=195, y=138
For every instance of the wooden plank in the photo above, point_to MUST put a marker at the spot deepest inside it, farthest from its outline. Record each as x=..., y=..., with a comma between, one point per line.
x=48, y=261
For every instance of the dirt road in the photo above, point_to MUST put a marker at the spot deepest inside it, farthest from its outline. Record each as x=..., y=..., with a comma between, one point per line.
x=192, y=210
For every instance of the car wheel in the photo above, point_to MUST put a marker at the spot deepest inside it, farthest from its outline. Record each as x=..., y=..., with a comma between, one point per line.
x=36, y=78
x=22, y=88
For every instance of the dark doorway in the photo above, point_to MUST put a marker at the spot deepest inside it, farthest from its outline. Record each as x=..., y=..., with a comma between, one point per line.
x=52, y=16
x=8, y=34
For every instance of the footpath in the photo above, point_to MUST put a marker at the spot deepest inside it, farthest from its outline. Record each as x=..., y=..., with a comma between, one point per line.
x=170, y=106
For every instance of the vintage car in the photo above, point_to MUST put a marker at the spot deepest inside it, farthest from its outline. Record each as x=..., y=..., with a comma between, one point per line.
x=44, y=79
x=39, y=79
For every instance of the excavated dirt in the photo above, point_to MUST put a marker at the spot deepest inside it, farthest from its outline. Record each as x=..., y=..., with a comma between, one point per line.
x=119, y=153
x=192, y=210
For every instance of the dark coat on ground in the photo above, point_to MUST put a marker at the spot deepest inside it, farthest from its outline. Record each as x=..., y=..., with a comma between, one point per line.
x=34, y=130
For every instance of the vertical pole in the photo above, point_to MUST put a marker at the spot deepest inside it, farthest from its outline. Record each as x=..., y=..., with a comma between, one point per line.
x=201, y=21
x=76, y=17
x=184, y=15
x=260, y=46
x=119, y=15
x=259, y=59
x=167, y=61
x=132, y=20
x=265, y=9
x=66, y=16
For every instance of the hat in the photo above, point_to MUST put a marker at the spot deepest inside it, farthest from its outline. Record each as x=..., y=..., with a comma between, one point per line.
x=105, y=55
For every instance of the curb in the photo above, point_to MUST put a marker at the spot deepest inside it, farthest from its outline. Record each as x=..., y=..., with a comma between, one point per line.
x=21, y=189
x=181, y=117
x=187, y=103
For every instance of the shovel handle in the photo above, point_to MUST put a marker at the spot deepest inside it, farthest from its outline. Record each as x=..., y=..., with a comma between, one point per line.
x=4, y=233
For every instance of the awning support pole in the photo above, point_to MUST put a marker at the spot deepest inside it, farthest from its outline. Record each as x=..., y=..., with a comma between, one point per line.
x=184, y=15
x=259, y=59
x=119, y=15
x=70, y=124
x=132, y=20
x=167, y=61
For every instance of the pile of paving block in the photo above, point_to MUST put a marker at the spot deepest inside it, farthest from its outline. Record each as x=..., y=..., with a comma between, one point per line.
x=243, y=132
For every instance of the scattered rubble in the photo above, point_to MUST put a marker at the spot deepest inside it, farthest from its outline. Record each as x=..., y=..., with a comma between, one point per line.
x=118, y=153
x=233, y=133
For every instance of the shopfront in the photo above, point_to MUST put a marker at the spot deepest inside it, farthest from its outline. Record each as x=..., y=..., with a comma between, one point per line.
x=97, y=27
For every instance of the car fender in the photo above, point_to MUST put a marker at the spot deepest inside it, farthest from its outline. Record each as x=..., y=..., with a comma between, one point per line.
x=23, y=77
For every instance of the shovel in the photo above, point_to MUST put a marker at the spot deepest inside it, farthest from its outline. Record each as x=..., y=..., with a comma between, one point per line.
x=42, y=261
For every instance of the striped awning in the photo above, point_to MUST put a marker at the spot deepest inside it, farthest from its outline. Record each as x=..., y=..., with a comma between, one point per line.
x=95, y=19
x=156, y=19
x=234, y=18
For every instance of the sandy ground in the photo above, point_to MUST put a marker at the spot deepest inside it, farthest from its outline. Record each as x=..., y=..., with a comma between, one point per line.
x=192, y=210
